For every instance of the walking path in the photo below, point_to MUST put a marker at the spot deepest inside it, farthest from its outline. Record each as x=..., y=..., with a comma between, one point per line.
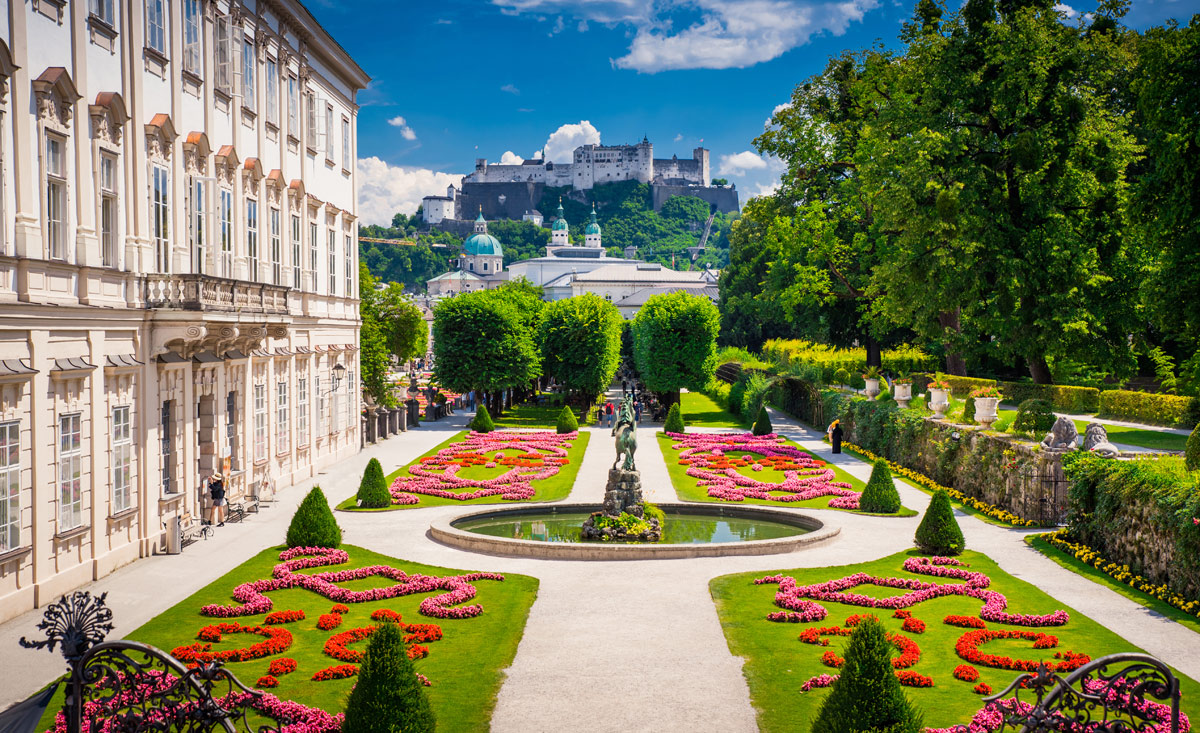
x=609, y=646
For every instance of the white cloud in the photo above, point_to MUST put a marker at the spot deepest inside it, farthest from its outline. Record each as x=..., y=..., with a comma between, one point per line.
x=511, y=89
x=537, y=155
x=726, y=34
x=778, y=108
x=738, y=164
x=560, y=146
x=443, y=21
x=582, y=27
x=511, y=158
x=384, y=189
x=558, y=26
x=678, y=137
x=1067, y=10
x=406, y=132
x=765, y=189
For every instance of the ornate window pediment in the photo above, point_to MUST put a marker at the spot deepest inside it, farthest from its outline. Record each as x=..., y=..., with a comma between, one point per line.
x=160, y=137
x=7, y=67
x=108, y=117
x=275, y=186
x=226, y=163
x=296, y=194
x=195, y=153
x=56, y=95
x=253, y=171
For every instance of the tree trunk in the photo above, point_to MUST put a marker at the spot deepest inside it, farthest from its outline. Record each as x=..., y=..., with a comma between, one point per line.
x=874, y=356
x=956, y=365
x=1039, y=370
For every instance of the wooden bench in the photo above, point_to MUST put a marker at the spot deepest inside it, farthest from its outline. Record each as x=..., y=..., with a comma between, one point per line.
x=191, y=530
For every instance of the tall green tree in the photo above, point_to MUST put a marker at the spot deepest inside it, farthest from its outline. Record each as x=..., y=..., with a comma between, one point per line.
x=392, y=325
x=580, y=341
x=675, y=343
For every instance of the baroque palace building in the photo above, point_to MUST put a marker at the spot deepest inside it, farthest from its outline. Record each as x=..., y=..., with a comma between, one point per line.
x=178, y=271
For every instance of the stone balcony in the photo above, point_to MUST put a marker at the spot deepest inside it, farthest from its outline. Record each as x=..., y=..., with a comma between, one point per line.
x=214, y=294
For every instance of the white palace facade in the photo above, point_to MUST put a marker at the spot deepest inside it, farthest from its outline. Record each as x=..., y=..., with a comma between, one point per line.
x=178, y=271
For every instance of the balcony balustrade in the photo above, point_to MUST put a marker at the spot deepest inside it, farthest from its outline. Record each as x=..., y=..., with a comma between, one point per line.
x=216, y=294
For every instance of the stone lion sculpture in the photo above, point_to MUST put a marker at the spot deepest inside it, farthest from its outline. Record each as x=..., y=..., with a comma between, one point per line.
x=1062, y=436
x=1095, y=439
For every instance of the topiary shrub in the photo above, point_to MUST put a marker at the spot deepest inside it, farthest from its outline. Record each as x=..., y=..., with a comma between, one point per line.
x=313, y=524
x=736, y=394
x=373, y=490
x=938, y=533
x=1191, y=455
x=969, y=410
x=674, y=423
x=482, y=422
x=566, y=421
x=1034, y=416
x=388, y=695
x=841, y=376
x=762, y=426
x=880, y=496
x=867, y=695
x=857, y=381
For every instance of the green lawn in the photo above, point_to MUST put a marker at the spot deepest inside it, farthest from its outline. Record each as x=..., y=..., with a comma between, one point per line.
x=687, y=490
x=465, y=666
x=555, y=488
x=777, y=664
x=529, y=415
x=701, y=411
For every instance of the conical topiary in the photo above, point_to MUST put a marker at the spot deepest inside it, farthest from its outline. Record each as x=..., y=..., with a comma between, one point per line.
x=313, y=524
x=388, y=696
x=867, y=696
x=969, y=410
x=674, y=423
x=938, y=533
x=762, y=425
x=373, y=490
x=566, y=421
x=482, y=422
x=1192, y=454
x=880, y=496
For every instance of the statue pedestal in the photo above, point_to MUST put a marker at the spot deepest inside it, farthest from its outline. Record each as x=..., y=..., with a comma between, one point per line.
x=622, y=495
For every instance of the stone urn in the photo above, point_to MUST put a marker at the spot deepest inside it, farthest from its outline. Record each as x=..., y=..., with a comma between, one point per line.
x=902, y=391
x=986, y=411
x=939, y=401
x=872, y=387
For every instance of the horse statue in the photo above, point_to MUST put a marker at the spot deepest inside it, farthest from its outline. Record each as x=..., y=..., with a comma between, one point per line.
x=625, y=431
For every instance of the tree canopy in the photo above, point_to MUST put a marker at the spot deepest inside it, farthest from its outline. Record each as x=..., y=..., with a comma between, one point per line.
x=675, y=342
x=580, y=341
x=485, y=340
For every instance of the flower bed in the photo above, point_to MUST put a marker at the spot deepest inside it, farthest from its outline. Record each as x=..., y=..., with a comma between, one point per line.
x=804, y=477
x=535, y=456
x=278, y=641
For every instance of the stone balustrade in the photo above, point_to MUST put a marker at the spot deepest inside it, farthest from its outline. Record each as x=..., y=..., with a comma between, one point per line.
x=207, y=293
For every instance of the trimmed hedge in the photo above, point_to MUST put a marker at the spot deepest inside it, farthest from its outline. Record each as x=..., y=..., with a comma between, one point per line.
x=762, y=426
x=938, y=533
x=388, y=696
x=373, y=490
x=1076, y=400
x=880, y=495
x=313, y=524
x=828, y=359
x=964, y=386
x=867, y=696
x=482, y=422
x=566, y=421
x=1147, y=407
x=1034, y=416
x=674, y=423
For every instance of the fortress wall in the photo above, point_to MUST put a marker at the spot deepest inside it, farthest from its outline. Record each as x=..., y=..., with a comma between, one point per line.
x=518, y=198
x=725, y=199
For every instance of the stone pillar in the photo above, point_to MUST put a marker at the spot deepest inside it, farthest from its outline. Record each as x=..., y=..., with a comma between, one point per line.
x=402, y=417
x=370, y=425
x=395, y=419
x=381, y=425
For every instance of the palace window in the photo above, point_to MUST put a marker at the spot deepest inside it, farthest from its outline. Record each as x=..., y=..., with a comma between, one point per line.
x=260, y=422
x=10, y=485
x=282, y=424
x=160, y=215
x=310, y=121
x=156, y=25
x=335, y=412
x=272, y=91
x=224, y=54
x=301, y=411
x=349, y=269
x=248, y=62
x=226, y=214
x=103, y=10
x=293, y=107
x=276, y=249
x=320, y=405
x=108, y=210
x=352, y=397
x=231, y=431
x=122, y=454
x=197, y=225
x=345, y=144
x=313, y=256
x=329, y=132
x=252, y=237
x=166, y=449
x=56, y=196
x=296, y=253
x=70, y=459
x=332, y=262
x=193, y=23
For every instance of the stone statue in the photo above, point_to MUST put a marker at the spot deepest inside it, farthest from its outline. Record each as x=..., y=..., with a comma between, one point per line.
x=1095, y=439
x=625, y=431
x=1061, y=437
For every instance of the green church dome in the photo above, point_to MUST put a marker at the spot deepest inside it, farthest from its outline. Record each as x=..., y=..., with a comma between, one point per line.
x=560, y=225
x=593, y=227
x=482, y=244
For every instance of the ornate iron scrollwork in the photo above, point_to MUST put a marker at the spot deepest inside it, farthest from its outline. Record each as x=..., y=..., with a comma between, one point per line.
x=128, y=687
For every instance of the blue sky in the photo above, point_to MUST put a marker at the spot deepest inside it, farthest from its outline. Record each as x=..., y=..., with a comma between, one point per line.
x=454, y=80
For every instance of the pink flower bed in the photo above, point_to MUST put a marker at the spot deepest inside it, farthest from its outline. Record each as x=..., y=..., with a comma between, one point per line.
x=804, y=477
x=251, y=599
x=539, y=456
x=794, y=597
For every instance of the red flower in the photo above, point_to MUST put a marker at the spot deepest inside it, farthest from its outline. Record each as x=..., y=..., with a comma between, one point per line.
x=902, y=613
x=339, y=608
x=982, y=688
x=283, y=617
x=914, y=679
x=966, y=673
x=338, y=672
x=966, y=622
x=282, y=666
x=967, y=648
x=913, y=625
x=277, y=641
x=267, y=681
x=329, y=621
x=831, y=659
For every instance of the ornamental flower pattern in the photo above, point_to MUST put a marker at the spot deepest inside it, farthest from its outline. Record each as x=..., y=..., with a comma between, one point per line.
x=538, y=455
x=804, y=477
x=251, y=599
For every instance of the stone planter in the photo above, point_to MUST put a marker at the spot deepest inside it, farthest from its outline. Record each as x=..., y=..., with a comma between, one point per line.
x=872, y=388
x=903, y=393
x=986, y=411
x=939, y=402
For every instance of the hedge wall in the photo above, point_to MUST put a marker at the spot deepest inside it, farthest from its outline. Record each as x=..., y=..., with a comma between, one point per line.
x=828, y=359
x=1138, y=513
x=1149, y=407
x=990, y=468
x=963, y=386
x=806, y=402
x=1075, y=400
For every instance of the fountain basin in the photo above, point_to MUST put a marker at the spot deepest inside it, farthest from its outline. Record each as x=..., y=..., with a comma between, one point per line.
x=701, y=530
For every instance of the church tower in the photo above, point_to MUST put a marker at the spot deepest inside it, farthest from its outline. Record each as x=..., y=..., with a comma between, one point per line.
x=560, y=233
x=591, y=235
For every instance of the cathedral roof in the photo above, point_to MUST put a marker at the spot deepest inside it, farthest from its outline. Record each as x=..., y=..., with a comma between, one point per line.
x=560, y=224
x=592, y=227
x=481, y=243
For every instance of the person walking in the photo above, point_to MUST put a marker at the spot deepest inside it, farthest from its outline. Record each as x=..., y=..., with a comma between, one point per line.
x=216, y=492
x=835, y=435
x=608, y=414
x=637, y=412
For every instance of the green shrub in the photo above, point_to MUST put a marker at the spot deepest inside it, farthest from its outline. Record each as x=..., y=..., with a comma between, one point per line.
x=841, y=376
x=674, y=423
x=867, y=696
x=969, y=410
x=1075, y=400
x=1034, y=416
x=373, y=489
x=963, y=386
x=762, y=425
x=828, y=359
x=719, y=392
x=313, y=524
x=482, y=422
x=388, y=697
x=1192, y=454
x=938, y=533
x=757, y=386
x=566, y=421
x=1146, y=407
x=880, y=496
x=736, y=394
x=857, y=381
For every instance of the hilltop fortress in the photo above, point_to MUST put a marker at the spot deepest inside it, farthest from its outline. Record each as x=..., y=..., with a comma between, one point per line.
x=513, y=191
